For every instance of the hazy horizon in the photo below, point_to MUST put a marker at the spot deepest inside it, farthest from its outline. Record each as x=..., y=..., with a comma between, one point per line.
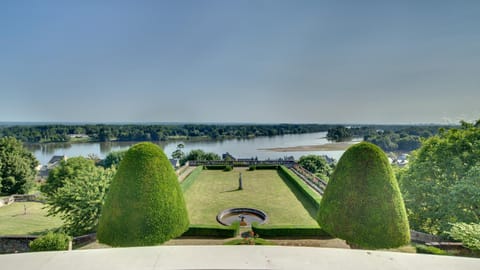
x=327, y=62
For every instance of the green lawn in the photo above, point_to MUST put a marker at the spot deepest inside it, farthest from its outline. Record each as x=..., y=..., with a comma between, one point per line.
x=214, y=191
x=14, y=222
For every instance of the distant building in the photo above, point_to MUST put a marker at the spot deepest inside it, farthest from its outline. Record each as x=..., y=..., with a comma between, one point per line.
x=44, y=170
x=227, y=156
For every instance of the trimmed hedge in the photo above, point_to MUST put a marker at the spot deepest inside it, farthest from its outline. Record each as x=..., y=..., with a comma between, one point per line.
x=187, y=182
x=430, y=250
x=243, y=241
x=145, y=204
x=362, y=203
x=263, y=167
x=213, y=230
x=215, y=167
x=311, y=195
x=50, y=242
x=266, y=231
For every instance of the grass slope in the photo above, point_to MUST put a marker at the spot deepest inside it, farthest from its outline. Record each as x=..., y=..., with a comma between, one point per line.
x=214, y=191
x=14, y=222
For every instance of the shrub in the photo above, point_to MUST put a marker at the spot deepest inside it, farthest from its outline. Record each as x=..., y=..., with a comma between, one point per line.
x=266, y=167
x=288, y=230
x=145, y=204
x=311, y=195
x=215, y=167
x=362, y=202
x=252, y=168
x=50, y=241
x=256, y=241
x=430, y=250
x=468, y=234
x=213, y=230
x=228, y=168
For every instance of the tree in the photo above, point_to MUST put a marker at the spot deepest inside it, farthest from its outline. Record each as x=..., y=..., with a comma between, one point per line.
x=441, y=185
x=362, y=202
x=145, y=204
x=317, y=165
x=68, y=169
x=79, y=200
x=178, y=153
x=113, y=159
x=199, y=154
x=17, y=167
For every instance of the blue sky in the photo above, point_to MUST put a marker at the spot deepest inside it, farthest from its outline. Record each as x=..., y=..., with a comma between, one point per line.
x=240, y=61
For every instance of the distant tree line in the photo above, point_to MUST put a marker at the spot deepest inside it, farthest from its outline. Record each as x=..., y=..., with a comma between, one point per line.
x=389, y=138
x=138, y=132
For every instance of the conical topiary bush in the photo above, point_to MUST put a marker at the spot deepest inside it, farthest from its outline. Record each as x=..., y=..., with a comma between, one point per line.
x=145, y=204
x=362, y=203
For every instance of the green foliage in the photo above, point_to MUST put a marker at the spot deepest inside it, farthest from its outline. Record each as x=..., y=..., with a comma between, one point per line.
x=215, y=167
x=79, y=201
x=187, y=182
x=441, y=183
x=178, y=153
x=68, y=169
x=213, y=230
x=339, y=133
x=430, y=250
x=145, y=204
x=309, y=194
x=113, y=159
x=255, y=241
x=468, y=234
x=17, y=167
x=228, y=168
x=199, y=154
x=50, y=242
x=362, y=202
x=316, y=165
x=288, y=230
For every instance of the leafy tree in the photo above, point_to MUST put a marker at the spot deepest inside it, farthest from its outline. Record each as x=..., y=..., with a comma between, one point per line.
x=50, y=242
x=317, y=165
x=145, y=204
x=199, y=154
x=362, y=202
x=178, y=153
x=68, y=169
x=441, y=183
x=468, y=234
x=113, y=159
x=17, y=167
x=79, y=201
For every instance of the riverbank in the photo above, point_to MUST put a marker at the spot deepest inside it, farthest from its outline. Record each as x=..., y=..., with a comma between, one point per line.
x=341, y=146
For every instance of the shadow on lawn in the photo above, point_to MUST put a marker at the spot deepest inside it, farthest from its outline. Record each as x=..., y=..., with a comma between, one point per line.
x=311, y=209
x=232, y=190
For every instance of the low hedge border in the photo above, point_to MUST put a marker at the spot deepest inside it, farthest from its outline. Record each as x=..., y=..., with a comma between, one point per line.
x=187, y=182
x=203, y=230
x=272, y=231
x=311, y=195
x=263, y=167
x=430, y=250
x=215, y=167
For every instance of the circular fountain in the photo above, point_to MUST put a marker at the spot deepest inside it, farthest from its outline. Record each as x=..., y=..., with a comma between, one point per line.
x=246, y=216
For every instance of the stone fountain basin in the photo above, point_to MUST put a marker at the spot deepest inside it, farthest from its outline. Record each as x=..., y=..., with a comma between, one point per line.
x=228, y=216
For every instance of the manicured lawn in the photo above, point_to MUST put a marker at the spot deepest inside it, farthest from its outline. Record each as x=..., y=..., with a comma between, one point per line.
x=214, y=191
x=14, y=222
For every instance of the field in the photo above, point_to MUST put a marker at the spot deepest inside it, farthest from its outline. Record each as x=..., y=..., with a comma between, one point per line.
x=214, y=191
x=13, y=221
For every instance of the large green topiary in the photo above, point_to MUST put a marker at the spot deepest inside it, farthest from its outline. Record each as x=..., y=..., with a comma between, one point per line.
x=145, y=204
x=362, y=202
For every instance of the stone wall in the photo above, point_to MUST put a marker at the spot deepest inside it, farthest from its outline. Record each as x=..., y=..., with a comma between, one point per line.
x=15, y=244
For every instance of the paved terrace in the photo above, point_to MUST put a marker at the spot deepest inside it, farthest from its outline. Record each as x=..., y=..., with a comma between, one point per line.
x=231, y=257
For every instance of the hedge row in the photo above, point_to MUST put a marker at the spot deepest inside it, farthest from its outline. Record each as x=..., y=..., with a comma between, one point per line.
x=187, y=182
x=263, y=167
x=288, y=231
x=215, y=167
x=311, y=195
x=213, y=230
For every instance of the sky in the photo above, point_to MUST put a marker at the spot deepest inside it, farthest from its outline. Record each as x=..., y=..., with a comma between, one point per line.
x=371, y=62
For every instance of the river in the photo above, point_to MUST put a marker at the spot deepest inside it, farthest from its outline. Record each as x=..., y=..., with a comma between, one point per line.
x=240, y=148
